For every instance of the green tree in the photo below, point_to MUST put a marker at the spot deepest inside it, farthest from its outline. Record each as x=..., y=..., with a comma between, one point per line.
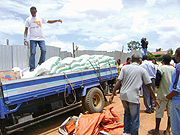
x=134, y=45
x=150, y=55
x=170, y=51
x=158, y=50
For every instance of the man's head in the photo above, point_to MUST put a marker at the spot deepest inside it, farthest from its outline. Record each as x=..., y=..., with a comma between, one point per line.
x=166, y=59
x=118, y=61
x=140, y=60
x=174, y=60
x=128, y=60
x=177, y=55
x=33, y=11
x=154, y=60
x=135, y=58
x=145, y=57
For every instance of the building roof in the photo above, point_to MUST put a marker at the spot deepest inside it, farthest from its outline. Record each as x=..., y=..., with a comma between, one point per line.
x=159, y=52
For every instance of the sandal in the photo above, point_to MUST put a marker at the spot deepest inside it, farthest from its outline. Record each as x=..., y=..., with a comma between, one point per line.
x=166, y=132
x=153, y=132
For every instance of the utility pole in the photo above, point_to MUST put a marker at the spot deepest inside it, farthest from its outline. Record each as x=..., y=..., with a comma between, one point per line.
x=73, y=50
x=7, y=41
x=122, y=52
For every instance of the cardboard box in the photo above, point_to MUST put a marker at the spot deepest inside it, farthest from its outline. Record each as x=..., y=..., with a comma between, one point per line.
x=9, y=75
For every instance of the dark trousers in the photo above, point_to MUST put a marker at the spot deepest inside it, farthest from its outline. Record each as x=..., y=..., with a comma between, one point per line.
x=147, y=97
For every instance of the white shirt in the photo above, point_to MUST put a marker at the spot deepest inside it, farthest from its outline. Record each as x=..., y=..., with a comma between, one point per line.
x=34, y=24
x=150, y=68
x=132, y=77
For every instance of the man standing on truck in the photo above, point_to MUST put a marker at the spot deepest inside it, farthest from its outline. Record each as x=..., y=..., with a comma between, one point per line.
x=132, y=77
x=144, y=44
x=34, y=24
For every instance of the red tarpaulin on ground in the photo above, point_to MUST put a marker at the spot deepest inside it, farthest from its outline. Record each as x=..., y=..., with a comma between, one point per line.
x=92, y=124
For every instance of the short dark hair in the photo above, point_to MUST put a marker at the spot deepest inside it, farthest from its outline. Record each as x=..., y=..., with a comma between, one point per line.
x=145, y=57
x=135, y=58
x=154, y=59
x=174, y=60
x=178, y=51
x=33, y=8
x=128, y=58
x=118, y=59
x=166, y=59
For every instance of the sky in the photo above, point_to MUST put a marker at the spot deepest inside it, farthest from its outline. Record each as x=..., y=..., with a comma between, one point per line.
x=103, y=25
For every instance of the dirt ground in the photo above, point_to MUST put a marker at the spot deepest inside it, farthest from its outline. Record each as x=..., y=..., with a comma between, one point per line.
x=50, y=127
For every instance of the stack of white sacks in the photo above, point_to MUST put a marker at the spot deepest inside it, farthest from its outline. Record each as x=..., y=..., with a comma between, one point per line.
x=56, y=65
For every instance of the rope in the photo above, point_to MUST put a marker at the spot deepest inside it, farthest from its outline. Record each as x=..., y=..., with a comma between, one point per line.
x=98, y=74
x=73, y=91
x=110, y=69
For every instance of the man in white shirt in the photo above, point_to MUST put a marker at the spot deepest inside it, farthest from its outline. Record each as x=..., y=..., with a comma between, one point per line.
x=147, y=97
x=132, y=76
x=34, y=24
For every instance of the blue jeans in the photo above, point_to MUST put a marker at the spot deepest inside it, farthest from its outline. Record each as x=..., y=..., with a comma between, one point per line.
x=33, y=44
x=175, y=118
x=144, y=52
x=131, y=117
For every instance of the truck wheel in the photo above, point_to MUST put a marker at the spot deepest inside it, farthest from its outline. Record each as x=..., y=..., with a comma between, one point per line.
x=94, y=100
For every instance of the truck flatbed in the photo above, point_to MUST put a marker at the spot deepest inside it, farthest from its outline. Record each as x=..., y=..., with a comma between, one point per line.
x=24, y=102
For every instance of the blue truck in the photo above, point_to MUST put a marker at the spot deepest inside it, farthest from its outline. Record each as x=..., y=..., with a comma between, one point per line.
x=26, y=102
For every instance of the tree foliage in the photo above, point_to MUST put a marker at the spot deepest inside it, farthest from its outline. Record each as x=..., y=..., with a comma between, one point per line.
x=134, y=45
x=170, y=51
x=159, y=49
x=150, y=55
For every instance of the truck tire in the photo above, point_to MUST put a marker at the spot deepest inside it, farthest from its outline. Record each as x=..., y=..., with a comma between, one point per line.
x=94, y=100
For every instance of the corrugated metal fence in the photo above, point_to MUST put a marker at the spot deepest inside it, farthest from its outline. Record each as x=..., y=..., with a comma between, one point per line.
x=18, y=55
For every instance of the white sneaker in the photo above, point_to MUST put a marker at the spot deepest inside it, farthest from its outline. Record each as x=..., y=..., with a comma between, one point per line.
x=126, y=134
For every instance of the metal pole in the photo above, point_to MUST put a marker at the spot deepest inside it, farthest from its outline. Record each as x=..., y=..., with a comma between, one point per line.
x=122, y=48
x=73, y=50
x=7, y=41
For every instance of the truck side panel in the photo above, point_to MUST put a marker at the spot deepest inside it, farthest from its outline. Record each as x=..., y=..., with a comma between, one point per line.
x=20, y=91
